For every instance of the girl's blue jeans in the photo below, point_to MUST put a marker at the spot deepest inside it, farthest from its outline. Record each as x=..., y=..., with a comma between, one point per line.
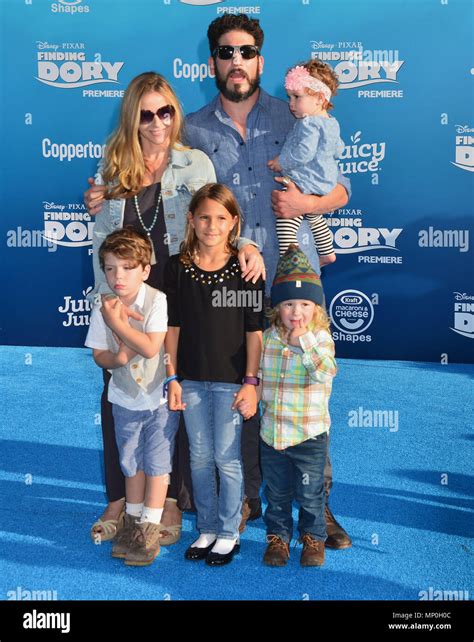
x=214, y=432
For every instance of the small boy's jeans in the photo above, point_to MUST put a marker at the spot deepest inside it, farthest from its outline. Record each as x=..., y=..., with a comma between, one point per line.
x=296, y=473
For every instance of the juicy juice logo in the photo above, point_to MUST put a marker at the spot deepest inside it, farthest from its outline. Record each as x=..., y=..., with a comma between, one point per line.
x=357, y=159
x=76, y=311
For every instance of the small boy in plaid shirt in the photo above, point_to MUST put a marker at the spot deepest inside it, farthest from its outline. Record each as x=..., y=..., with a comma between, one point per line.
x=297, y=369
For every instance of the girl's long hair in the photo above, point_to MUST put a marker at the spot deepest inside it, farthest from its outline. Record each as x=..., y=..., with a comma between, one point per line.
x=223, y=195
x=125, y=168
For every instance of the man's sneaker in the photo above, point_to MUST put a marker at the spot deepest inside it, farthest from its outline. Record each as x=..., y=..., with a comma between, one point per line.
x=277, y=553
x=145, y=545
x=313, y=551
x=337, y=536
x=123, y=539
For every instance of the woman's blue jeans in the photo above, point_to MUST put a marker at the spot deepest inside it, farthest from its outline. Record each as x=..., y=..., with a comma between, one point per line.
x=214, y=432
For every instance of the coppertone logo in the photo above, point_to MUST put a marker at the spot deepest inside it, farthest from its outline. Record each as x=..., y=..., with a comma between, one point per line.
x=69, y=6
x=357, y=67
x=350, y=236
x=192, y=70
x=65, y=66
x=464, y=314
x=361, y=158
x=464, y=148
x=352, y=312
x=68, y=225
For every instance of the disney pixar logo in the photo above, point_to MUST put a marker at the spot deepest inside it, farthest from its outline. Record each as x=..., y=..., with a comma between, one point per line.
x=464, y=148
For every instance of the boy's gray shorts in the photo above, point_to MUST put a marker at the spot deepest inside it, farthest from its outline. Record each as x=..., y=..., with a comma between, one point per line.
x=145, y=439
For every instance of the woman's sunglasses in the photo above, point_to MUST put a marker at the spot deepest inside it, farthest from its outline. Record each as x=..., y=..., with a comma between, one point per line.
x=226, y=52
x=165, y=114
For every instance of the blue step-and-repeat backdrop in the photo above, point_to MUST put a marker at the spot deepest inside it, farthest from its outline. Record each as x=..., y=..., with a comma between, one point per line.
x=402, y=286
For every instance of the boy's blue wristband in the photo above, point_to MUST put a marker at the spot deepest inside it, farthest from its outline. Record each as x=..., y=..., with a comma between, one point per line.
x=166, y=382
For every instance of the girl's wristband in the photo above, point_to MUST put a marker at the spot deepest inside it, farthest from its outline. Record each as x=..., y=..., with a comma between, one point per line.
x=166, y=383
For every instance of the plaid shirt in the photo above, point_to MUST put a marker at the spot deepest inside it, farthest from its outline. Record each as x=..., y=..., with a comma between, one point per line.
x=297, y=386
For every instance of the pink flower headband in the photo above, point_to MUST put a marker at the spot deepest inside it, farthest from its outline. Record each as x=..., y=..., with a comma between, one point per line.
x=300, y=78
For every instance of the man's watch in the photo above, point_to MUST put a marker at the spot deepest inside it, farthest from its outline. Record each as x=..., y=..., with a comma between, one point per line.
x=253, y=381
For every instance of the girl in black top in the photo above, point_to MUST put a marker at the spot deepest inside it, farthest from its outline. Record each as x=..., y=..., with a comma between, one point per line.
x=214, y=337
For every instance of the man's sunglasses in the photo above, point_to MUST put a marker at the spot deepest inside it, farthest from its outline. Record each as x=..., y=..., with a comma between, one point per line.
x=165, y=113
x=226, y=52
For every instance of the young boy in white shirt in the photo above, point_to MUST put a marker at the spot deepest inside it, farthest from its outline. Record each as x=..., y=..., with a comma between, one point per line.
x=132, y=349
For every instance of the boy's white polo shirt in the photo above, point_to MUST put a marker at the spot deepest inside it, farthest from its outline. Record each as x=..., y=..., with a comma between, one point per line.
x=97, y=339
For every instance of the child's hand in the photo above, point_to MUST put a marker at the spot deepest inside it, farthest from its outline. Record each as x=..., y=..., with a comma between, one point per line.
x=114, y=312
x=175, y=393
x=295, y=333
x=246, y=401
x=111, y=310
x=274, y=164
x=127, y=353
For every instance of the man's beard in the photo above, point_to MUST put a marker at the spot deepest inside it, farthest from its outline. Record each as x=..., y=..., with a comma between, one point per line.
x=234, y=95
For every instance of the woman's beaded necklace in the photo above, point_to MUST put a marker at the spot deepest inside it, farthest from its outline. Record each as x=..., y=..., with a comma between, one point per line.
x=149, y=229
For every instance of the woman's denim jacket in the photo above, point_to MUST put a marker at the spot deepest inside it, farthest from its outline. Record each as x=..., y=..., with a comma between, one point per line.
x=188, y=170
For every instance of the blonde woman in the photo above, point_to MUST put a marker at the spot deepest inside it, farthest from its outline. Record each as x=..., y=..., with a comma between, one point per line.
x=146, y=181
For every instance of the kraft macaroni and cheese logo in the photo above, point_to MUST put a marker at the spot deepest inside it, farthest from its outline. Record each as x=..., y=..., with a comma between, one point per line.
x=69, y=6
x=67, y=224
x=67, y=66
x=352, y=313
x=358, y=67
x=464, y=151
x=351, y=236
x=359, y=158
x=464, y=314
x=76, y=312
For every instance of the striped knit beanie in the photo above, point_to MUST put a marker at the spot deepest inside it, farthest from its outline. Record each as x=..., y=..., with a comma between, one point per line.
x=296, y=279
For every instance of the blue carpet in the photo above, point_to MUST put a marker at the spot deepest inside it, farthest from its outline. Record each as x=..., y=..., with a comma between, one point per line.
x=404, y=495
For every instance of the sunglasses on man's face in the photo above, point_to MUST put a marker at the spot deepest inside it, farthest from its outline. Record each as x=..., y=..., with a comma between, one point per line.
x=226, y=52
x=165, y=114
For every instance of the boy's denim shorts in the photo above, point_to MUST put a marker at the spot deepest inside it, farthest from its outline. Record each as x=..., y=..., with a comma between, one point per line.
x=145, y=439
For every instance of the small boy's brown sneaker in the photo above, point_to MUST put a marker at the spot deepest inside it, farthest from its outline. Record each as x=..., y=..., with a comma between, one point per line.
x=123, y=539
x=277, y=553
x=145, y=545
x=313, y=551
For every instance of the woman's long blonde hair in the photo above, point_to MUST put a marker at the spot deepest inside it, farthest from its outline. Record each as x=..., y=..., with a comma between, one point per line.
x=223, y=195
x=124, y=170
